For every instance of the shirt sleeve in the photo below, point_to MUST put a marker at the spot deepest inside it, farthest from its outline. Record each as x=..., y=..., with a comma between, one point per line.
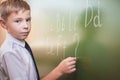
x=16, y=68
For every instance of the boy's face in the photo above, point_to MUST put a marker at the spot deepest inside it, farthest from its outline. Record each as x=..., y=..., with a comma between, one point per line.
x=19, y=24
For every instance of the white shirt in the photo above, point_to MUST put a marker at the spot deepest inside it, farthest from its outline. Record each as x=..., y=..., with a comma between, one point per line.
x=15, y=61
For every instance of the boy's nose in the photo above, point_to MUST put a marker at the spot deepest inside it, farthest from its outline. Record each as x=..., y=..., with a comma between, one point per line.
x=25, y=25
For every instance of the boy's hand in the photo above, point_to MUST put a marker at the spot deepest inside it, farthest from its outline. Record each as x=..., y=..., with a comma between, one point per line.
x=67, y=65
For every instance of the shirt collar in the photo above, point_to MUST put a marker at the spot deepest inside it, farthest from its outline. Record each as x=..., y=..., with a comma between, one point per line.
x=14, y=40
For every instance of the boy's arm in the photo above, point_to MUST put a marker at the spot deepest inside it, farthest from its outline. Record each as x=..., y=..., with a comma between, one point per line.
x=65, y=67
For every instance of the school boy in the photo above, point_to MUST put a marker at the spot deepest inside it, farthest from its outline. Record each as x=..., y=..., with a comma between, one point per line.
x=16, y=59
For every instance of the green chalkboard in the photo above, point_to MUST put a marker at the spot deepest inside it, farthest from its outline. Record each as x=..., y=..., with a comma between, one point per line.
x=86, y=29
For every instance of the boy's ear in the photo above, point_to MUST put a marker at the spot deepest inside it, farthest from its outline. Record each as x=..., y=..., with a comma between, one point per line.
x=2, y=23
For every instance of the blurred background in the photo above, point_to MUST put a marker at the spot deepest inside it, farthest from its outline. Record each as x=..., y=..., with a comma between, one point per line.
x=85, y=29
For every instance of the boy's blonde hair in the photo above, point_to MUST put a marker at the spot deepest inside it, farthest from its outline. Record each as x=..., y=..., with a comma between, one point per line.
x=9, y=6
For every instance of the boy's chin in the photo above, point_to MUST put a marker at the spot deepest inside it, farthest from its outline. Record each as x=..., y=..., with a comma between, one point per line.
x=22, y=38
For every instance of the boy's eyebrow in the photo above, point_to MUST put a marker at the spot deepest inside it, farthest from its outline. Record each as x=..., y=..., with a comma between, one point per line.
x=22, y=18
x=18, y=18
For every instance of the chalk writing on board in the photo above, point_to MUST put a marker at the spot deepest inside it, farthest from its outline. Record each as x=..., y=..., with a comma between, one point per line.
x=70, y=27
x=49, y=48
x=58, y=22
x=95, y=19
x=59, y=43
x=75, y=24
x=64, y=49
x=69, y=24
x=63, y=25
x=76, y=39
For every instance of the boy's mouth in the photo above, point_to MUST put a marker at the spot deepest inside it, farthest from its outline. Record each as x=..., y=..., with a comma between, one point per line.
x=25, y=33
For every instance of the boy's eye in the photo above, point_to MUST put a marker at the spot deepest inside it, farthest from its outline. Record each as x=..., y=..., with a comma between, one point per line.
x=28, y=20
x=17, y=21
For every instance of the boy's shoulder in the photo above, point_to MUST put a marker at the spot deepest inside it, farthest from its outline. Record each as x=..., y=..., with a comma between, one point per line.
x=10, y=43
x=6, y=47
x=9, y=48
